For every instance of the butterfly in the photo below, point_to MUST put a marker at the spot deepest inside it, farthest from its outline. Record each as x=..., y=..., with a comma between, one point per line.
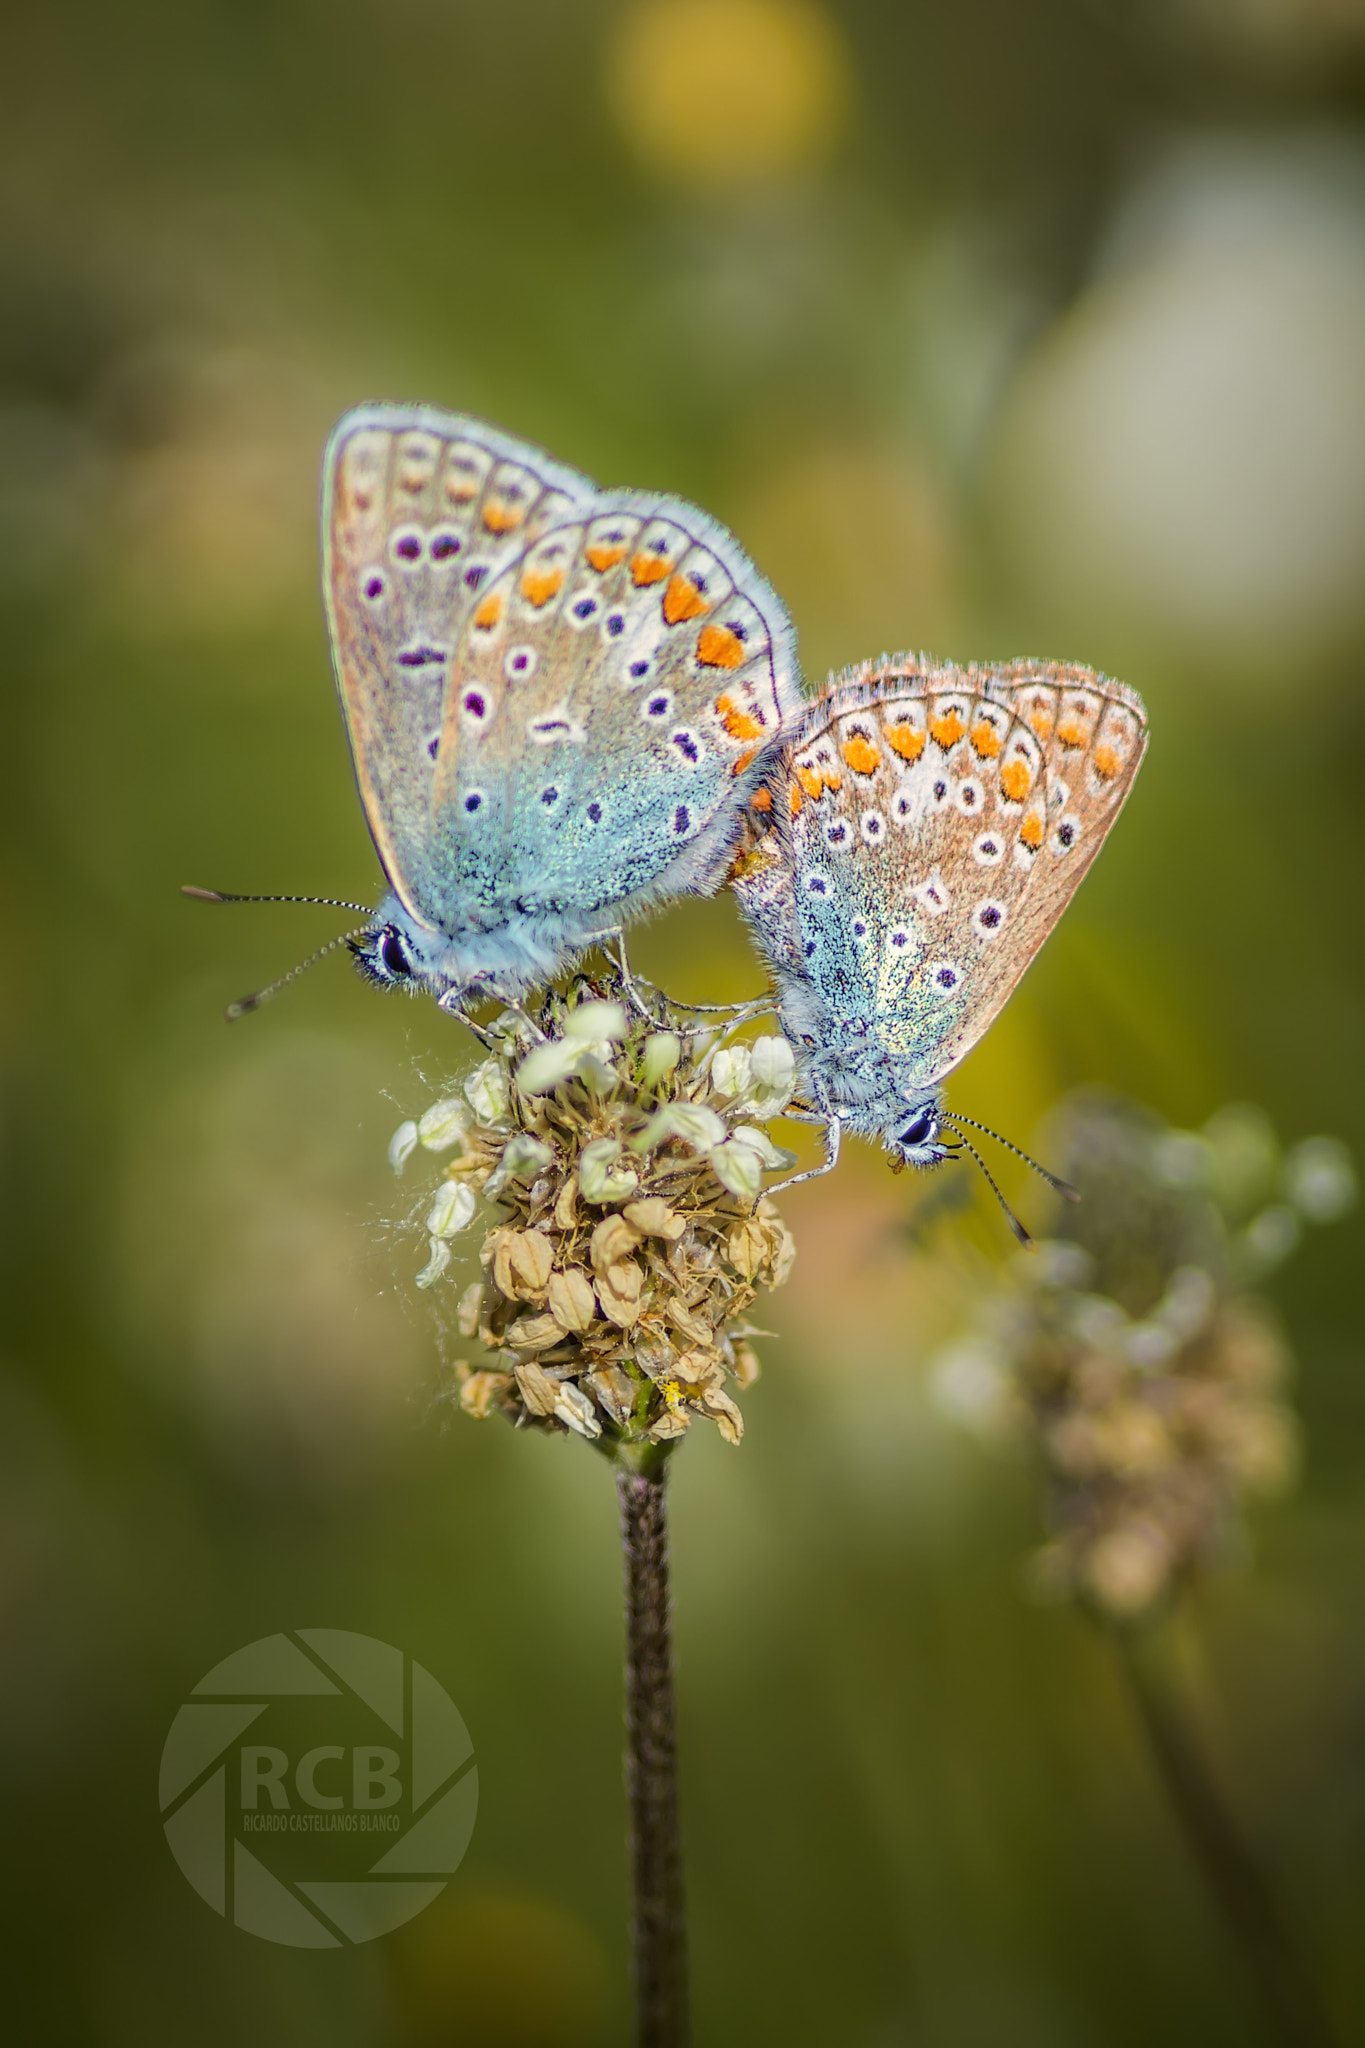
x=558, y=699
x=918, y=836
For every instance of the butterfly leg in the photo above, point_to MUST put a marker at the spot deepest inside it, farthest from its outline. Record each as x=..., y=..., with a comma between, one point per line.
x=453, y=1007
x=834, y=1132
x=615, y=934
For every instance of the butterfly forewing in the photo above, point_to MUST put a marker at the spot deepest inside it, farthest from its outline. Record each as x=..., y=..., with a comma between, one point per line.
x=422, y=512
x=940, y=820
x=611, y=698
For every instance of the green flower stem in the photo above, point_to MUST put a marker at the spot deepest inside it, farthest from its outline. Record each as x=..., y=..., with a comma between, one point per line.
x=660, y=1945
x=1289, y=1998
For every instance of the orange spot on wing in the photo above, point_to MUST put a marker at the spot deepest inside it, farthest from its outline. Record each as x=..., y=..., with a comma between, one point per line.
x=649, y=568
x=718, y=647
x=460, y=487
x=812, y=782
x=737, y=723
x=500, y=517
x=603, y=558
x=1072, y=733
x=538, y=586
x=985, y=739
x=1107, y=761
x=794, y=799
x=905, y=740
x=489, y=612
x=682, y=600
x=831, y=779
x=861, y=756
x=743, y=762
x=947, y=730
x=1040, y=717
x=1031, y=832
x=761, y=800
x=1015, y=779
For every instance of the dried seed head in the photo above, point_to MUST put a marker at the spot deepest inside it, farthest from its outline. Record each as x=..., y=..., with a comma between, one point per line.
x=620, y=1159
x=1134, y=1353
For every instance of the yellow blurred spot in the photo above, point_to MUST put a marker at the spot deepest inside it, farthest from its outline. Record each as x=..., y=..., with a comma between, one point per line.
x=728, y=92
x=810, y=780
x=985, y=739
x=1072, y=733
x=761, y=800
x=1031, y=832
x=604, y=558
x=1107, y=762
x=648, y=568
x=504, y=1968
x=947, y=729
x=489, y=612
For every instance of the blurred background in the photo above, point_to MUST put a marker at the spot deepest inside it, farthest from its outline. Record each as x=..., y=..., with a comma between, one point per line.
x=1011, y=327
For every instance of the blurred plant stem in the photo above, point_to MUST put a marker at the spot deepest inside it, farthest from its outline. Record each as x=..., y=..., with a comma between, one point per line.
x=658, y=1931
x=1289, y=1998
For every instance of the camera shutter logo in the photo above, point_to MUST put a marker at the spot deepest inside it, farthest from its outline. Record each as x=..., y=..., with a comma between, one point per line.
x=413, y=1798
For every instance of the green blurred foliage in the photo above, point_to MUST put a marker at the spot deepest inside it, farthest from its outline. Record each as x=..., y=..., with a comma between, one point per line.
x=899, y=356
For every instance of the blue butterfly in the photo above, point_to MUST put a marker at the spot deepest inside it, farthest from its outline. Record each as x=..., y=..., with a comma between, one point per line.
x=920, y=832
x=558, y=699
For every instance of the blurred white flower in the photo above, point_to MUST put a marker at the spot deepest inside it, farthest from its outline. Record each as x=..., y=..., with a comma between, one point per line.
x=486, y=1093
x=601, y=1176
x=969, y=1382
x=663, y=1050
x=436, y=1264
x=772, y=1075
x=696, y=1125
x=443, y=1125
x=1320, y=1180
x=1270, y=1237
x=402, y=1145
x=1184, y=453
x=596, y=1023
x=523, y=1156
x=451, y=1208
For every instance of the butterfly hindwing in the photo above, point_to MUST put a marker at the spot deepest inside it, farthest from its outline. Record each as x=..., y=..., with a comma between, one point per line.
x=935, y=824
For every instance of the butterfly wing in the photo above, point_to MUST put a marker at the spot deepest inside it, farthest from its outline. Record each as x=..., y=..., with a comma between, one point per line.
x=558, y=699
x=937, y=823
x=422, y=510
x=613, y=699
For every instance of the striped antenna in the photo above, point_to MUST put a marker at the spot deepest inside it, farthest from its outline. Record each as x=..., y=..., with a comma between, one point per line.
x=1061, y=1187
x=247, y=1004
x=226, y=896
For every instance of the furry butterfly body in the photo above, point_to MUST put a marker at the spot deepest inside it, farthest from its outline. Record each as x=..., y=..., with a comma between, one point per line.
x=559, y=700
x=921, y=831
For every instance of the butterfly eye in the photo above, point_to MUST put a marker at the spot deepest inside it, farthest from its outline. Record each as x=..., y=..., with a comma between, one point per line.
x=921, y=1130
x=392, y=957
